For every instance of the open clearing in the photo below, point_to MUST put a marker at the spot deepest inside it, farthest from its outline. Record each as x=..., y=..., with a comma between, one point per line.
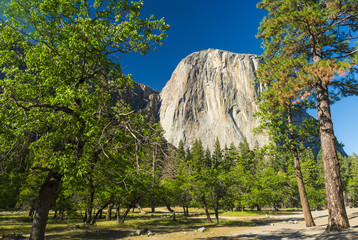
x=272, y=225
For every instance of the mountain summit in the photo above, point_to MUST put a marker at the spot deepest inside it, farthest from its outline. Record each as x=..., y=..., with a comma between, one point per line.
x=212, y=94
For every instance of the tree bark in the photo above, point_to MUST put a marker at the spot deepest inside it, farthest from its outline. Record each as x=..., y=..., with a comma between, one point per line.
x=168, y=206
x=153, y=176
x=131, y=205
x=301, y=186
x=99, y=212
x=337, y=215
x=140, y=208
x=48, y=195
x=216, y=210
x=109, y=213
x=89, y=210
x=206, y=209
x=118, y=213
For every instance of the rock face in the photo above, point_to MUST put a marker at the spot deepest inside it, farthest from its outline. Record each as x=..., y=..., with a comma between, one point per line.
x=210, y=95
x=143, y=98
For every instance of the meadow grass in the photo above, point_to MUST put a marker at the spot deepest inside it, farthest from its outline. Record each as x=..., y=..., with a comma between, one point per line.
x=19, y=223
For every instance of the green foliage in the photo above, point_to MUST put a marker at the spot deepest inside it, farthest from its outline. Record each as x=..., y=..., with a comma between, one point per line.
x=292, y=30
x=30, y=188
x=60, y=89
x=9, y=190
x=314, y=182
x=352, y=188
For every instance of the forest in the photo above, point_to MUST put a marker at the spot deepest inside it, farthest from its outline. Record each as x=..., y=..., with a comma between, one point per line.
x=69, y=144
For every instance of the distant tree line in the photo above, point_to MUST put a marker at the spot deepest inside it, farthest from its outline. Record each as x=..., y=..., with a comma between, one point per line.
x=154, y=173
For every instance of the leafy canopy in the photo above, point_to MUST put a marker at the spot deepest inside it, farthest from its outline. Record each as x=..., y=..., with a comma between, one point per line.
x=62, y=79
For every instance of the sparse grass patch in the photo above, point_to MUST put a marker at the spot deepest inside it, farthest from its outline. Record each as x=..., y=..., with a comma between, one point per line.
x=13, y=223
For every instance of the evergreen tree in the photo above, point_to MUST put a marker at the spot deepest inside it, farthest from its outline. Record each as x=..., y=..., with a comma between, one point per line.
x=313, y=182
x=352, y=188
x=217, y=155
x=306, y=45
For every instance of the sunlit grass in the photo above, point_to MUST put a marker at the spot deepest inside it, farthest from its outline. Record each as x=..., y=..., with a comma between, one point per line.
x=254, y=213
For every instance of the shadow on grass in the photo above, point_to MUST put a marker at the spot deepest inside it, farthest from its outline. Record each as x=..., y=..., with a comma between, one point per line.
x=292, y=235
x=285, y=235
x=99, y=234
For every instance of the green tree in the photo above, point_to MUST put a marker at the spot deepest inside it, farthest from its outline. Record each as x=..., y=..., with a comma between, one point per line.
x=198, y=176
x=211, y=177
x=177, y=186
x=278, y=120
x=220, y=178
x=314, y=40
x=313, y=182
x=352, y=188
x=217, y=156
x=61, y=82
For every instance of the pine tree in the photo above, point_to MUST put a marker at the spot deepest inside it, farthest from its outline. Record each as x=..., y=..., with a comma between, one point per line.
x=313, y=182
x=353, y=183
x=309, y=47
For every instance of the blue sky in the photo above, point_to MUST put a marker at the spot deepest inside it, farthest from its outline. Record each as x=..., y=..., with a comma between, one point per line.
x=228, y=25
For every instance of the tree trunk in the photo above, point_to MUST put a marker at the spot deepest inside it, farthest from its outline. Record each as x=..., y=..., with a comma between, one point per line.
x=337, y=215
x=131, y=205
x=32, y=212
x=99, y=212
x=88, y=215
x=153, y=204
x=206, y=210
x=258, y=207
x=123, y=217
x=168, y=206
x=174, y=219
x=90, y=205
x=302, y=191
x=140, y=208
x=216, y=210
x=48, y=195
x=109, y=213
x=301, y=187
x=186, y=210
x=118, y=213
x=153, y=176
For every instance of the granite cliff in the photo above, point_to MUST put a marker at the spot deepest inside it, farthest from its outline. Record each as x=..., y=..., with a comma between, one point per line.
x=212, y=94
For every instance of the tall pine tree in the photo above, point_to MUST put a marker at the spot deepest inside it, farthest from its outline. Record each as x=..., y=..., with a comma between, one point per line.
x=314, y=38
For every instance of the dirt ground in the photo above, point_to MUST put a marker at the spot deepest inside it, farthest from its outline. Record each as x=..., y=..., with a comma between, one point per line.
x=287, y=226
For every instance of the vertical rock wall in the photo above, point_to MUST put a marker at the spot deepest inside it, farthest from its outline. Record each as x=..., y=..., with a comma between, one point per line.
x=210, y=95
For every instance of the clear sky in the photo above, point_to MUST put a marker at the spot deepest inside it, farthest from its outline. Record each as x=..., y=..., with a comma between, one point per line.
x=228, y=25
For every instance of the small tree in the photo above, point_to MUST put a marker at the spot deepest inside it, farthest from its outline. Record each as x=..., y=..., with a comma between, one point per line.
x=313, y=182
